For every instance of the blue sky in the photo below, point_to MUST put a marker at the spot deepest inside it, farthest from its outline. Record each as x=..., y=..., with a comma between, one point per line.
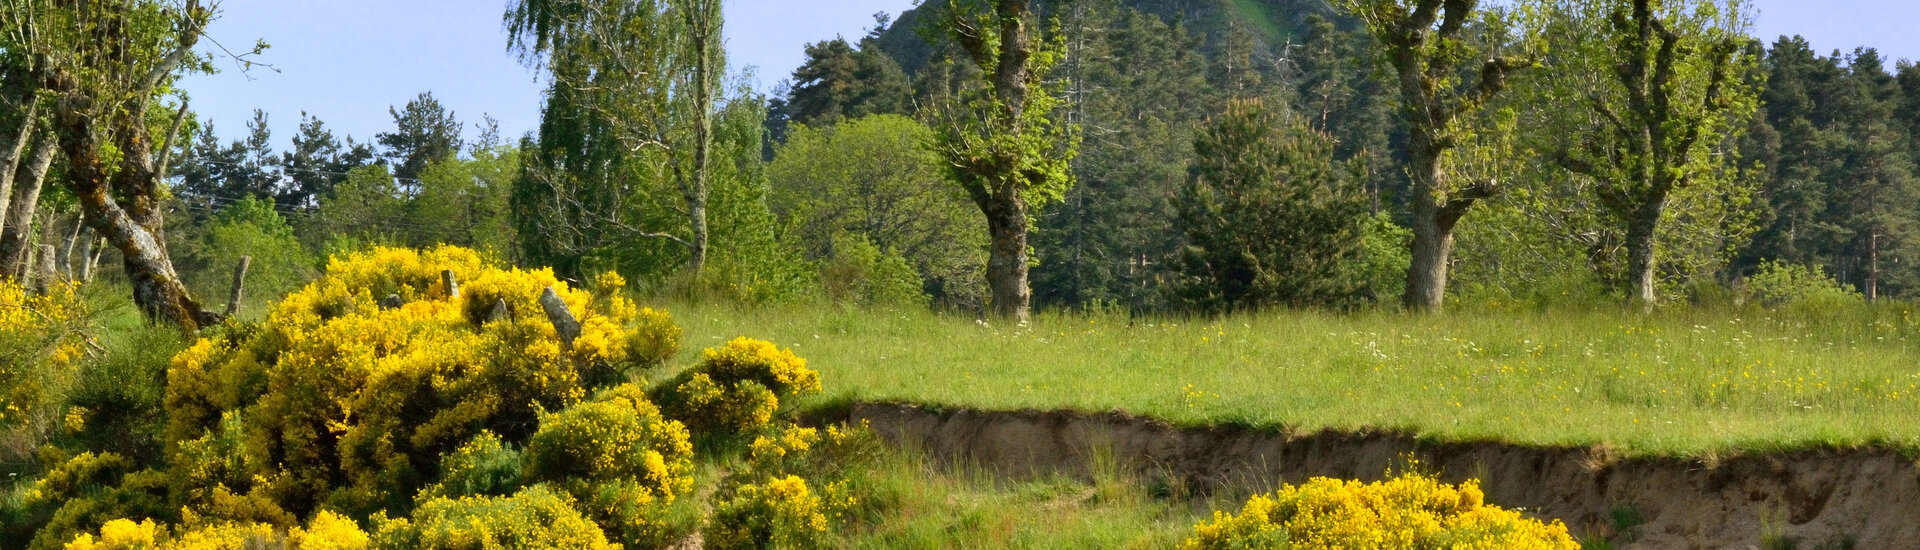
x=346, y=61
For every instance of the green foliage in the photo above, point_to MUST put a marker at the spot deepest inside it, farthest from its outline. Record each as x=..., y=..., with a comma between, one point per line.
x=653, y=339
x=860, y=273
x=736, y=389
x=366, y=209
x=1005, y=136
x=425, y=133
x=838, y=82
x=751, y=260
x=536, y=518
x=872, y=179
x=1383, y=249
x=1269, y=219
x=482, y=467
x=1140, y=80
x=1777, y=284
x=117, y=403
x=79, y=493
x=464, y=202
x=249, y=227
x=1654, y=145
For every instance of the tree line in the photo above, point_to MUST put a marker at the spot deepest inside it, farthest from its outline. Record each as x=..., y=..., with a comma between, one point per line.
x=994, y=155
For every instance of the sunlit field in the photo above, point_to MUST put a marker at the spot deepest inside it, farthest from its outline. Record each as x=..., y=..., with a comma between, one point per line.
x=1681, y=383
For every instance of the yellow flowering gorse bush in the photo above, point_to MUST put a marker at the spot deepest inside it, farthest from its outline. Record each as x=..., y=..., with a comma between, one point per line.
x=536, y=518
x=328, y=531
x=738, y=387
x=781, y=513
x=1410, y=512
x=41, y=343
x=346, y=403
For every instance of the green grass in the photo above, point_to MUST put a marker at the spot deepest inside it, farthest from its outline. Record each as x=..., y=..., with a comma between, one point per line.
x=906, y=501
x=1688, y=383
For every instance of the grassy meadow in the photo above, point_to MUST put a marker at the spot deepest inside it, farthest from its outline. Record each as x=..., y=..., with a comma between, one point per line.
x=1685, y=382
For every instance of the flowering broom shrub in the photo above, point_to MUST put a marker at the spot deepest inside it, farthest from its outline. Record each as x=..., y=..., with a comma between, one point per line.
x=622, y=461
x=328, y=531
x=781, y=513
x=41, y=343
x=1411, y=512
x=338, y=401
x=537, y=518
x=737, y=388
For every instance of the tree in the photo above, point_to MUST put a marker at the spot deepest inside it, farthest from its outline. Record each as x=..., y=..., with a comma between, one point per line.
x=1135, y=80
x=103, y=63
x=366, y=208
x=1429, y=46
x=1269, y=218
x=839, y=82
x=635, y=82
x=464, y=202
x=249, y=227
x=1665, y=84
x=1004, y=146
x=1879, y=195
x=424, y=133
x=872, y=178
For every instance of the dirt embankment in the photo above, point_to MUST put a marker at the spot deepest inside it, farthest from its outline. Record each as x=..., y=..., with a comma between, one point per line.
x=1821, y=499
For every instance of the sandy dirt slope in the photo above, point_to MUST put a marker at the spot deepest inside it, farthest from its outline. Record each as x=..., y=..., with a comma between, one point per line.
x=1821, y=499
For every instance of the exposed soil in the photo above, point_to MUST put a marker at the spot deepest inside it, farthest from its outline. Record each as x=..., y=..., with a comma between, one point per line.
x=1820, y=499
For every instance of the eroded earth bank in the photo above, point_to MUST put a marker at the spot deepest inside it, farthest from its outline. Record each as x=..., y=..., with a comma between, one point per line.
x=1819, y=499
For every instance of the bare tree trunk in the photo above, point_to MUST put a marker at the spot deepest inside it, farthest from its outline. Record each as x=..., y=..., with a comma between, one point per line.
x=1641, y=232
x=66, y=249
x=239, y=285
x=1873, y=267
x=1434, y=218
x=703, y=20
x=1007, y=257
x=46, y=276
x=15, y=239
x=90, y=249
x=15, y=153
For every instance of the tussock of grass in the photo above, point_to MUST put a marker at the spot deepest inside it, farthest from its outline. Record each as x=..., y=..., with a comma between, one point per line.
x=1686, y=383
x=908, y=502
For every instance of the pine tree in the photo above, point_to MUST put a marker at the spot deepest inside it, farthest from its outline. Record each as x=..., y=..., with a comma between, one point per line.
x=1269, y=218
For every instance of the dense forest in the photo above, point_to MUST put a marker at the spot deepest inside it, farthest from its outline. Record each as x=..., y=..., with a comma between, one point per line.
x=1202, y=155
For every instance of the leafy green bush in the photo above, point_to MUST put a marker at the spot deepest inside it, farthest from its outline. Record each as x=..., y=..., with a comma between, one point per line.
x=117, y=403
x=1778, y=284
x=1409, y=512
x=860, y=273
x=482, y=467
x=248, y=227
x=736, y=388
x=84, y=491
